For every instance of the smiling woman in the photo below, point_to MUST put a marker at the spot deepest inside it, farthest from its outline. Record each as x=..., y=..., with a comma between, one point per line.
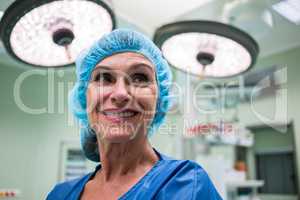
x=121, y=97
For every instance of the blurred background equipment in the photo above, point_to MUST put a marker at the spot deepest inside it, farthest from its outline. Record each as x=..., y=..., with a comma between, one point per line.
x=10, y=194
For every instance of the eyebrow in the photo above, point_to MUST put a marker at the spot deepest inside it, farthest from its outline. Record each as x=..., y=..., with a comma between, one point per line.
x=103, y=67
x=138, y=65
x=135, y=65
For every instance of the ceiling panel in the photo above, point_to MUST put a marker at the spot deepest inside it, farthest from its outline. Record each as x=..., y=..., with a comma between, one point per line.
x=150, y=14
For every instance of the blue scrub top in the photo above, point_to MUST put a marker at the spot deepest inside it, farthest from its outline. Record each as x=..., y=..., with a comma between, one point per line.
x=168, y=179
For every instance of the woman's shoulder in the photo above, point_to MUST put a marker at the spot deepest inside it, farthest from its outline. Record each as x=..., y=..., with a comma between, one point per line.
x=184, y=167
x=68, y=188
x=190, y=177
x=190, y=165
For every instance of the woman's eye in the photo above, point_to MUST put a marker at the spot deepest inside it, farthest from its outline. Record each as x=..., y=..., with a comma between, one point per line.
x=139, y=78
x=104, y=78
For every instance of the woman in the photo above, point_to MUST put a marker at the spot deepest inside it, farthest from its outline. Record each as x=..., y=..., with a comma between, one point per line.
x=121, y=97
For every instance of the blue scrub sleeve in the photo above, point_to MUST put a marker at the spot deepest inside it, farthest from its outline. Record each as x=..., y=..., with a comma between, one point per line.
x=204, y=188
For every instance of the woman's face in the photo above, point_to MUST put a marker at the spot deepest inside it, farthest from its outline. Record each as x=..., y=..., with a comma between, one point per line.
x=121, y=97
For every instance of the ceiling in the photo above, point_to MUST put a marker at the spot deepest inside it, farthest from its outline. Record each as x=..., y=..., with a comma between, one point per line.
x=280, y=35
x=148, y=15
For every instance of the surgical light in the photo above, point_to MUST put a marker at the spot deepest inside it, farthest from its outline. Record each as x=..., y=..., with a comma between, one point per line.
x=51, y=33
x=207, y=48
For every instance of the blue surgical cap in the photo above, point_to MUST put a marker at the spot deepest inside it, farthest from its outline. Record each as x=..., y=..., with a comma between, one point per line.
x=118, y=41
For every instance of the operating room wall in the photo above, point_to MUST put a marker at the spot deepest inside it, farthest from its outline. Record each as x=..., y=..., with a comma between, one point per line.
x=29, y=143
x=275, y=108
x=268, y=140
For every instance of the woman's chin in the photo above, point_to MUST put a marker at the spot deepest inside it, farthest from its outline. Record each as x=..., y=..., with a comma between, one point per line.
x=119, y=137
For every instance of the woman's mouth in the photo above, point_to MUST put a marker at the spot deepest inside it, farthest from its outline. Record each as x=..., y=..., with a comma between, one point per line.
x=117, y=115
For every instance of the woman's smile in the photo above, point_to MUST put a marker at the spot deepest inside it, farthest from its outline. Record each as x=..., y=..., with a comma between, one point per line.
x=119, y=115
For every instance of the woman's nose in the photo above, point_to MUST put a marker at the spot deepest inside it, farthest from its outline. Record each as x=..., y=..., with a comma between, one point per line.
x=120, y=95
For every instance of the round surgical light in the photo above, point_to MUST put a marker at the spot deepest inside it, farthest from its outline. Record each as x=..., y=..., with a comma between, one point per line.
x=207, y=48
x=51, y=33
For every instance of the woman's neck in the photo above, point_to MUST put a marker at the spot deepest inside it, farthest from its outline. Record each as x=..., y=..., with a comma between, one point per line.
x=121, y=159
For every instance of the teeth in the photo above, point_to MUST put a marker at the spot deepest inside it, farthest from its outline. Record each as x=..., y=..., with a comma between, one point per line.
x=122, y=114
